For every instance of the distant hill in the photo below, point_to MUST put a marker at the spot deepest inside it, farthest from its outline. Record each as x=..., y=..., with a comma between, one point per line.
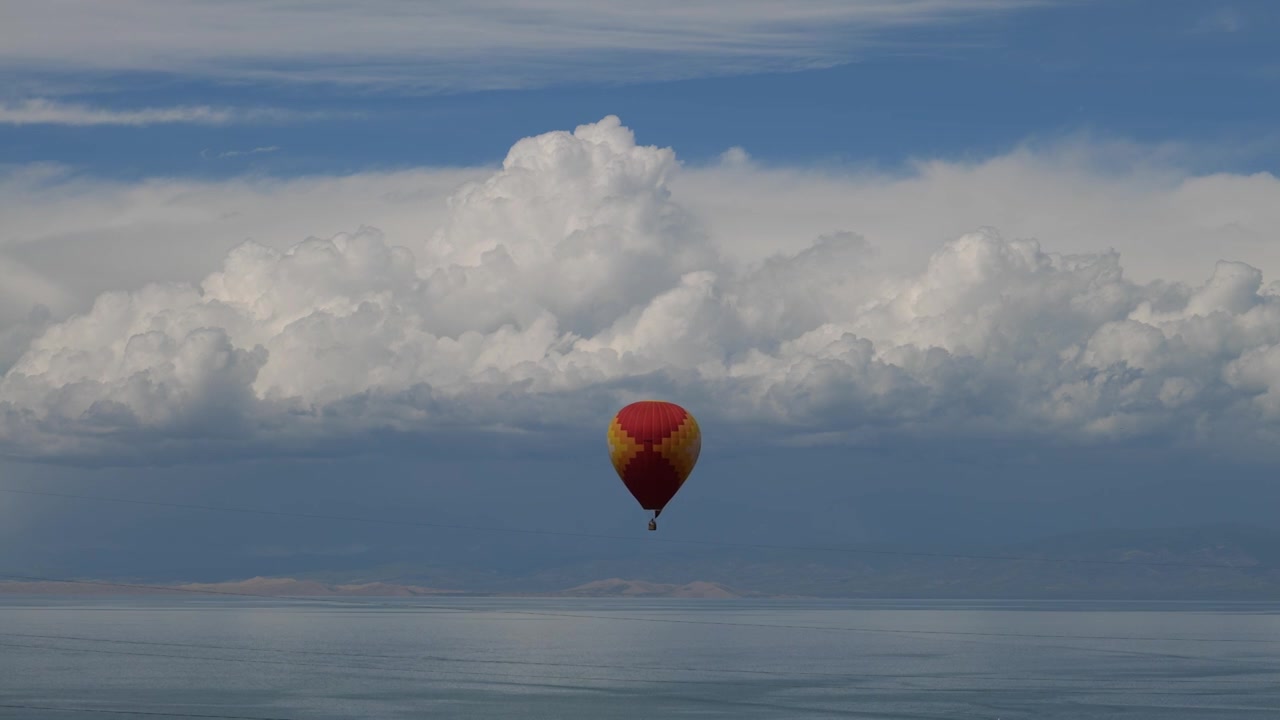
x=292, y=587
x=310, y=588
x=260, y=586
x=1219, y=562
x=1210, y=562
x=616, y=587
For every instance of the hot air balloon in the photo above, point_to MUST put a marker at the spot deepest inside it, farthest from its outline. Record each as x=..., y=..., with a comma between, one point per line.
x=653, y=446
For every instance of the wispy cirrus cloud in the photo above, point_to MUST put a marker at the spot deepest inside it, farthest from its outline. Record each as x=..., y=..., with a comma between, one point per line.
x=1222, y=20
x=42, y=111
x=452, y=45
x=240, y=153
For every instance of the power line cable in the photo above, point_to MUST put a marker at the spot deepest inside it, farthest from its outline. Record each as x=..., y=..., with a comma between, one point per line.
x=601, y=536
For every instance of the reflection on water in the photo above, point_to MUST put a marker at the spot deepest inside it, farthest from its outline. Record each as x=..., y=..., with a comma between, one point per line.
x=505, y=658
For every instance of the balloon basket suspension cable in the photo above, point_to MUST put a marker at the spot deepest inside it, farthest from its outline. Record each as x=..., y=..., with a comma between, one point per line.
x=653, y=523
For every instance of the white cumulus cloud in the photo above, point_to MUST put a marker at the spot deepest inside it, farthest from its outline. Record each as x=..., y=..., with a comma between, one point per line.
x=590, y=270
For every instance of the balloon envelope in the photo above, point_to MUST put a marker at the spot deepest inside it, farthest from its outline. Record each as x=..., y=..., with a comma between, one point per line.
x=654, y=446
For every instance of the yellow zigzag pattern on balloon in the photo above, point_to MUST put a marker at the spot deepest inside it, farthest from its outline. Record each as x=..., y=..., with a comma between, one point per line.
x=622, y=447
x=681, y=447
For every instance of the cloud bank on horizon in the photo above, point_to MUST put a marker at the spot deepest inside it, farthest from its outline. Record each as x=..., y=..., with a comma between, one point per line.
x=576, y=278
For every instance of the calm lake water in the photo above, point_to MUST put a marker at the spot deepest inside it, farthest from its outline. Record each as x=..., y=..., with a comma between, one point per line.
x=526, y=658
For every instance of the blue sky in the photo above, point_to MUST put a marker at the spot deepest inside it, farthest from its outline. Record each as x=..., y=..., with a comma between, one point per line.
x=987, y=269
x=1151, y=72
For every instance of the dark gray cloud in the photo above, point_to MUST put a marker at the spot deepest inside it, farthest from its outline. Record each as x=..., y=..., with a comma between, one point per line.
x=925, y=496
